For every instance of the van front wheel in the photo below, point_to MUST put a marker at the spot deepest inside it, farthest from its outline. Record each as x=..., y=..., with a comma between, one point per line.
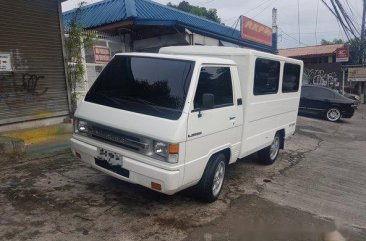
x=269, y=154
x=210, y=185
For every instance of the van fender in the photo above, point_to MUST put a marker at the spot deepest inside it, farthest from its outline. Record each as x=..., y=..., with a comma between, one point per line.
x=201, y=163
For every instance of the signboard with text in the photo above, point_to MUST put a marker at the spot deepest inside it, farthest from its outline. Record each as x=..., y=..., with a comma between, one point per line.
x=102, y=54
x=254, y=31
x=342, y=54
x=357, y=74
x=5, y=62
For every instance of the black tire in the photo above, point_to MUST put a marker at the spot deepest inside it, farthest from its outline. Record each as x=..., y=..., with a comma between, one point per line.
x=268, y=156
x=205, y=187
x=333, y=114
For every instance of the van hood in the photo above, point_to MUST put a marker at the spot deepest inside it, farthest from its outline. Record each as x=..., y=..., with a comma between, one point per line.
x=171, y=131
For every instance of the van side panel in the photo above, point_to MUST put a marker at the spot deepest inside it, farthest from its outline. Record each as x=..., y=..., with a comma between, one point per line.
x=266, y=114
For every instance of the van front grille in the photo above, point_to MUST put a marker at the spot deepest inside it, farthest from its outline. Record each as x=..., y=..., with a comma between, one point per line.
x=117, y=138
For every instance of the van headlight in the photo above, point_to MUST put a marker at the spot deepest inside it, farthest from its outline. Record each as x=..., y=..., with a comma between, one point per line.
x=81, y=127
x=170, y=152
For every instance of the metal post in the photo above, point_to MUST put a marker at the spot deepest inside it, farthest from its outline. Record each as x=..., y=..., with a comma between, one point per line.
x=343, y=73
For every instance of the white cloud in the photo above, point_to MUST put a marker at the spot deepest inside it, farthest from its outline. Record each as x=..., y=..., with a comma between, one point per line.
x=261, y=11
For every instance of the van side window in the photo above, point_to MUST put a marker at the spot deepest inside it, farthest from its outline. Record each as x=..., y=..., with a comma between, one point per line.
x=216, y=81
x=291, y=78
x=266, y=76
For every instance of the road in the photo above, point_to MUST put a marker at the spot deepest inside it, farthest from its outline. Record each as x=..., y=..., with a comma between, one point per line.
x=316, y=186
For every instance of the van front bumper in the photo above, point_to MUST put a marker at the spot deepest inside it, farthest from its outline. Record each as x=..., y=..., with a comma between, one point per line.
x=139, y=172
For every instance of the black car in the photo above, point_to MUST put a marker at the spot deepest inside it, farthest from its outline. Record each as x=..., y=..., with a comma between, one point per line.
x=326, y=102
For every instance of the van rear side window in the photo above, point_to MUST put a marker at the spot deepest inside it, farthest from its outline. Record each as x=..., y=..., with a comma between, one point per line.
x=266, y=77
x=291, y=78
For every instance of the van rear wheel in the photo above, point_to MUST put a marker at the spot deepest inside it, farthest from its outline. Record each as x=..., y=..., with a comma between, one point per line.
x=268, y=155
x=210, y=185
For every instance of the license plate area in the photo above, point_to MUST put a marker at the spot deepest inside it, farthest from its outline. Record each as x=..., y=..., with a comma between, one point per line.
x=111, y=161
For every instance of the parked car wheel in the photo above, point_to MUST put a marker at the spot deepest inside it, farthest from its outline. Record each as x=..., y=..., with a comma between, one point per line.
x=334, y=114
x=269, y=154
x=210, y=185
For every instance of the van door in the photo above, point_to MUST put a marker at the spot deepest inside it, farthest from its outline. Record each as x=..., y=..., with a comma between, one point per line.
x=212, y=126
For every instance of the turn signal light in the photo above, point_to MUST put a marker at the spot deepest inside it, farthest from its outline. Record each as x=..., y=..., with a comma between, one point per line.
x=156, y=186
x=173, y=149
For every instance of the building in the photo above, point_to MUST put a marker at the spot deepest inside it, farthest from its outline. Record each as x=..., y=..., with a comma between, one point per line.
x=320, y=66
x=33, y=86
x=146, y=26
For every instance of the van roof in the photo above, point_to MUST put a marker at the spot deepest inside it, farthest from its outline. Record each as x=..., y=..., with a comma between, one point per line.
x=220, y=50
x=200, y=59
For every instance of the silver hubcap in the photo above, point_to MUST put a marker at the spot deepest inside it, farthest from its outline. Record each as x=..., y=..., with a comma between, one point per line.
x=218, y=178
x=275, y=147
x=333, y=114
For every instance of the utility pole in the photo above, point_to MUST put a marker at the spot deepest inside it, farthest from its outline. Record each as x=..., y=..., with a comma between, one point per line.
x=274, y=28
x=362, y=88
x=362, y=49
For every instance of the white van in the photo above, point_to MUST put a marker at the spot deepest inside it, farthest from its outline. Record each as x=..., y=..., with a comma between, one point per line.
x=175, y=120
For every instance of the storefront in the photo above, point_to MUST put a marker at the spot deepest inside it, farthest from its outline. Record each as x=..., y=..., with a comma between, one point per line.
x=32, y=70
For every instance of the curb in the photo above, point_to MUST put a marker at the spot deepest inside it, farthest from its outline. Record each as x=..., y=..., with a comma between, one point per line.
x=38, y=135
x=10, y=145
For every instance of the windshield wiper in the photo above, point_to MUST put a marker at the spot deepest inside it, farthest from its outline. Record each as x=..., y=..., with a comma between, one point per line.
x=142, y=101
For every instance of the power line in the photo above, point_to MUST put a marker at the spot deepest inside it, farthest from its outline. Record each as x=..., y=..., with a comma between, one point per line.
x=354, y=17
x=299, y=42
x=298, y=18
x=206, y=2
x=316, y=21
x=259, y=5
x=271, y=4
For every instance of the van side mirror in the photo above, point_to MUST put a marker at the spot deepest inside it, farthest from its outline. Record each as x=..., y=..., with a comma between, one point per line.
x=208, y=101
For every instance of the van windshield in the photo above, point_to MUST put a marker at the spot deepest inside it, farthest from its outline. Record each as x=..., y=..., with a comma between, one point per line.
x=151, y=86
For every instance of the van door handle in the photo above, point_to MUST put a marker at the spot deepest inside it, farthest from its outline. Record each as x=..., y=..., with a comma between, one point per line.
x=232, y=118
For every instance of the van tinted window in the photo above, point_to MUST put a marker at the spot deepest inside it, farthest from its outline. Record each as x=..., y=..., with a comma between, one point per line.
x=266, y=76
x=151, y=86
x=291, y=78
x=216, y=81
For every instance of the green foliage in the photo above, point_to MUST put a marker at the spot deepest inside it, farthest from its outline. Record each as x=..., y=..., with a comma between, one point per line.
x=77, y=40
x=210, y=14
x=355, y=55
x=334, y=41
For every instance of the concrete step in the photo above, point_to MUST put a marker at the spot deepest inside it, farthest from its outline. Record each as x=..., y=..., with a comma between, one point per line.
x=11, y=145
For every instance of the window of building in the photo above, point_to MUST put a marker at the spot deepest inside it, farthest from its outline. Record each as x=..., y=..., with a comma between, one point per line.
x=216, y=81
x=291, y=78
x=266, y=76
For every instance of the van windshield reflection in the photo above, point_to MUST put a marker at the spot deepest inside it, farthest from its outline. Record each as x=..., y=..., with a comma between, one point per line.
x=151, y=86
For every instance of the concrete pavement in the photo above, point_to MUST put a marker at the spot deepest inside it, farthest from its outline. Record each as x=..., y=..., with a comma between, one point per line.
x=316, y=186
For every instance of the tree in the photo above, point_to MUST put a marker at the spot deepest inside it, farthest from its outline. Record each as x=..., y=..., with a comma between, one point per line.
x=334, y=41
x=355, y=55
x=210, y=14
x=75, y=42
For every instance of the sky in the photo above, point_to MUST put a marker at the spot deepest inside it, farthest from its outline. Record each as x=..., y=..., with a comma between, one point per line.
x=315, y=20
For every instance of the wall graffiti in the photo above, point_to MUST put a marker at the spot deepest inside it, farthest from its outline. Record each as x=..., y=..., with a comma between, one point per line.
x=30, y=82
x=322, y=78
x=19, y=90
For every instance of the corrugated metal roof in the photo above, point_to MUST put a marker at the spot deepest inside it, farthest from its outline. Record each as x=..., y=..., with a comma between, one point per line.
x=100, y=13
x=149, y=12
x=310, y=51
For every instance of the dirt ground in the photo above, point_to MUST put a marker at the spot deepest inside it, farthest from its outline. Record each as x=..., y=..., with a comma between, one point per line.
x=49, y=195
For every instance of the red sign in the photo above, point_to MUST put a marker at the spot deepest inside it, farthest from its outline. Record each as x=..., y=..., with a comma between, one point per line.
x=342, y=54
x=254, y=31
x=102, y=54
